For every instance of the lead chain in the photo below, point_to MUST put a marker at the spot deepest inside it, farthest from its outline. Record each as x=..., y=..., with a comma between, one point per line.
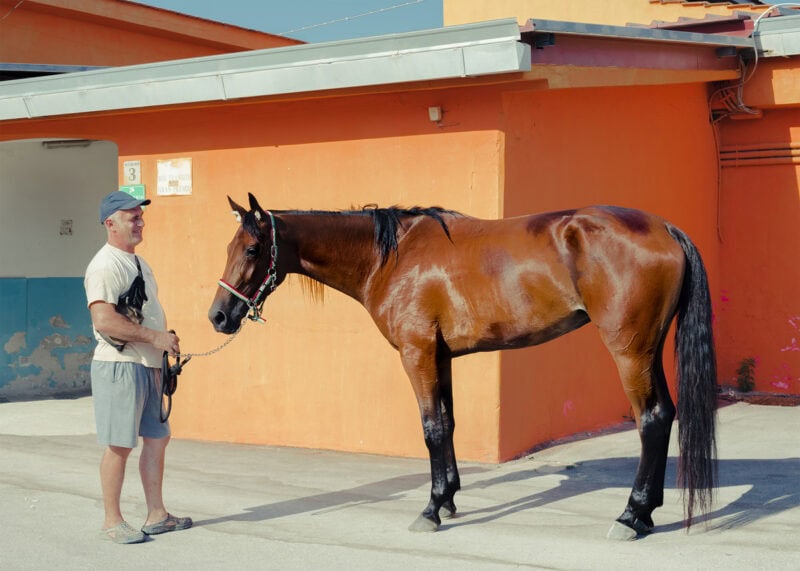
x=212, y=351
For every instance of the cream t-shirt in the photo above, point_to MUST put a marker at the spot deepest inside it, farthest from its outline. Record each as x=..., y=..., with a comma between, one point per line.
x=110, y=273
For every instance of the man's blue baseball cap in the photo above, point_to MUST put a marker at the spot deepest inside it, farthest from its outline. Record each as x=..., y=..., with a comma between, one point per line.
x=119, y=200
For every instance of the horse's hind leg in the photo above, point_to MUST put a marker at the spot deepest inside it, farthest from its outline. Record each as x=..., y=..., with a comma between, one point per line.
x=643, y=379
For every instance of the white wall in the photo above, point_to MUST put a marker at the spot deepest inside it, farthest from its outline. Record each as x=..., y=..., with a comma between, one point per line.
x=39, y=188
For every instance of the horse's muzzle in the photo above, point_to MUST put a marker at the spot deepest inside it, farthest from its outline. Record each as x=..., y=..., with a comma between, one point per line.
x=223, y=322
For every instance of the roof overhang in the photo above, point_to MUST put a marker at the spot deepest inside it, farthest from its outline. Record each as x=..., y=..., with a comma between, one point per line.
x=11, y=71
x=778, y=37
x=636, y=33
x=570, y=54
x=543, y=53
x=454, y=52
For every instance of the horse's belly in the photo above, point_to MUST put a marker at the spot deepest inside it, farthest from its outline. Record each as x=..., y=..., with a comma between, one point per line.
x=495, y=334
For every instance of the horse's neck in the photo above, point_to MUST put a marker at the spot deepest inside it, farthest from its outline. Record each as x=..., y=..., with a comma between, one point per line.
x=334, y=249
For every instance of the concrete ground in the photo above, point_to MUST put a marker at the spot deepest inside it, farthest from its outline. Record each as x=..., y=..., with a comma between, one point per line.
x=279, y=508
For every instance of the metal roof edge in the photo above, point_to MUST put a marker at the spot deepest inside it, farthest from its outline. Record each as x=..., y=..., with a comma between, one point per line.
x=778, y=37
x=43, y=69
x=457, y=51
x=534, y=25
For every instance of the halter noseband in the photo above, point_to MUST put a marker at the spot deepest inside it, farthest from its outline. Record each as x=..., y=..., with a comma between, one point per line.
x=256, y=303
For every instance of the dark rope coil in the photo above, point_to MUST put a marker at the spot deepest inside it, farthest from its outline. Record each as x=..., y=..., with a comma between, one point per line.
x=169, y=379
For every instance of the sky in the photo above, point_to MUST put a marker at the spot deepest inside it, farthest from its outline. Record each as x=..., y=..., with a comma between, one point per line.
x=315, y=20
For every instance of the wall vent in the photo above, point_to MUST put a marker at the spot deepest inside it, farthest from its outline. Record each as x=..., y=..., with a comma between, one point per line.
x=759, y=155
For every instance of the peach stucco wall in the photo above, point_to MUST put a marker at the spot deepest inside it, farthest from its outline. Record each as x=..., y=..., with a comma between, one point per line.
x=317, y=374
x=320, y=375
x=610, y=12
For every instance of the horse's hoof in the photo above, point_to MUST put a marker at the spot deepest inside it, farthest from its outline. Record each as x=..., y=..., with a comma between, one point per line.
x=423, y=525
x=621, y=532
x=448, y=510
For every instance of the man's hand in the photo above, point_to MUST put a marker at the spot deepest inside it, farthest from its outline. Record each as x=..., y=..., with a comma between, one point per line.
x=167, y=341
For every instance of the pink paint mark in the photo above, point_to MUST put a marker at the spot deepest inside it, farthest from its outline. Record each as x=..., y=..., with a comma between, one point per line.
x=783, y=380
x=793, y=346
x=794, y=323
x=724, y=297
x=568, y=408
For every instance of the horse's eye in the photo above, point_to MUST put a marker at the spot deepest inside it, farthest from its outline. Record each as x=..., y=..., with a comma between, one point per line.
x=252, y=251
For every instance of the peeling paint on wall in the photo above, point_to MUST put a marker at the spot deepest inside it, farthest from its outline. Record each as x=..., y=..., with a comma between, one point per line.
x=51, y=368
x=46, y=336
x=16, y=343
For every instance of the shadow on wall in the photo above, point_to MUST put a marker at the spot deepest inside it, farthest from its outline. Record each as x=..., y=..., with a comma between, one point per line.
x=46, y=339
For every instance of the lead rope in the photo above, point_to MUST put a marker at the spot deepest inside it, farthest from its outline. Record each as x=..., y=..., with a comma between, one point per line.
x=169, y=373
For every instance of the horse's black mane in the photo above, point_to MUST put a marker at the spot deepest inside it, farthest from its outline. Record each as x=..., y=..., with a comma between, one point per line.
x=387, y=222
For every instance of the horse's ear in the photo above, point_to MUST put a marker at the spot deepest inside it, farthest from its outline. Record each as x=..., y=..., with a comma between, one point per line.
x=238, y=211
x=256, y=208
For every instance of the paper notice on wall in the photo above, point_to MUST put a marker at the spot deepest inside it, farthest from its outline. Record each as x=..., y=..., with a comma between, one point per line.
x=174, y=177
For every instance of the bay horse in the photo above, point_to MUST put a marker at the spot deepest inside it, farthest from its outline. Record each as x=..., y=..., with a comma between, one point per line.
x=439, y=284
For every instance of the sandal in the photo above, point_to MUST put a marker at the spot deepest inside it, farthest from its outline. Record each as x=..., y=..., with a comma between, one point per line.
x=123, y=533
x=171, y=523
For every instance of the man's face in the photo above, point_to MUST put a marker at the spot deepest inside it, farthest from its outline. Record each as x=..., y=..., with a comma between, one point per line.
x=126, y=228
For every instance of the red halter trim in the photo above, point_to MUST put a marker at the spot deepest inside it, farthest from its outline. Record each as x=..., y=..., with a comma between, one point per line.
x=256, y=303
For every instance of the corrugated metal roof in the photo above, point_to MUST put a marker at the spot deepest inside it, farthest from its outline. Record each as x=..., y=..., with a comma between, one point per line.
x=458, y=51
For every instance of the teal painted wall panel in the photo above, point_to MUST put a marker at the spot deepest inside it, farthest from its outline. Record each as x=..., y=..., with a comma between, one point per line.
x=46, y=338
x=13, y=324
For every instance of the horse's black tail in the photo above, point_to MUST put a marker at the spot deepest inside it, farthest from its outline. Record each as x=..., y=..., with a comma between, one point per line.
x=697, y=383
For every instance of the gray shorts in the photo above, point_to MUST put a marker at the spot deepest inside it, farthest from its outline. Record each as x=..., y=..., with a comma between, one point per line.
x=127, y=403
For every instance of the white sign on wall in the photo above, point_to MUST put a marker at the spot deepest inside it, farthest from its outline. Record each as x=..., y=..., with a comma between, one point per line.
x=174, y=177
x=132, y=172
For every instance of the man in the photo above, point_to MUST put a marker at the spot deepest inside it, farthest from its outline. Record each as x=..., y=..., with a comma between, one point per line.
x=126, y=383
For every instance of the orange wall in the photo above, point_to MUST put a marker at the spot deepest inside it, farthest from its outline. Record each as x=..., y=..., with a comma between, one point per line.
x=113, y=32
x=628, y=146
x=611, y=12
x=320, y=375
x=316, y=375
x=760, y=208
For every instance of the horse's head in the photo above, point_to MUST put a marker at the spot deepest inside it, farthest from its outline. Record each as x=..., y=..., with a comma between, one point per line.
x=251, y=272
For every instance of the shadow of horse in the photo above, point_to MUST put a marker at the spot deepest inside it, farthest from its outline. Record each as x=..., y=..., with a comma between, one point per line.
x=772, y=489
x=391, y=489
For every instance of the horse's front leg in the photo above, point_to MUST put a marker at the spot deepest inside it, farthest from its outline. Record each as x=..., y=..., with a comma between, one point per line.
x=420, y=365
x=444, y=363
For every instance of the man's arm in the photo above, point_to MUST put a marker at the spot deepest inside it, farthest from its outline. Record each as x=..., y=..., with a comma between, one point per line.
x=108, y=322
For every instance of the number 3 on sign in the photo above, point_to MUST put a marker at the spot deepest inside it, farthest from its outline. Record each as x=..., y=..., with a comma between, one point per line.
x=132, y=172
